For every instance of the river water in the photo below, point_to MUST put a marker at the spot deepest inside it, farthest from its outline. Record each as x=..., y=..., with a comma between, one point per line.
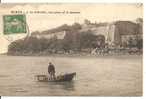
x=96, y=76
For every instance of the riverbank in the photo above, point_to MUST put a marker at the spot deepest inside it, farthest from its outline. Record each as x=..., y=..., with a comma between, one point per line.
x=76, y=55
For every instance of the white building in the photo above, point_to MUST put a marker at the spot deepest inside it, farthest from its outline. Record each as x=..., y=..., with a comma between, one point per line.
x=59, y=35
x=107, y=31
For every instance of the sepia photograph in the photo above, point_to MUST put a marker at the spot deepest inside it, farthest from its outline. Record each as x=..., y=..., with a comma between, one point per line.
x=80, y=49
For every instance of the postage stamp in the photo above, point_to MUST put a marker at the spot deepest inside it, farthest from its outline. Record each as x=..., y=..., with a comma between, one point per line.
x=14, y=24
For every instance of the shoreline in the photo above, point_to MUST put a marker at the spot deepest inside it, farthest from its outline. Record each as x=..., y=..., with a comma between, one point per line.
x=75, y=55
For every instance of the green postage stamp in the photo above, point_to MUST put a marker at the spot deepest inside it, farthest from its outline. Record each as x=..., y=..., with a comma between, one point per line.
x=14, y=24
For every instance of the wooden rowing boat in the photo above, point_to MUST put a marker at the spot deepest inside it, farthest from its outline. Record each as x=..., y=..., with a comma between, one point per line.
x=59, y=78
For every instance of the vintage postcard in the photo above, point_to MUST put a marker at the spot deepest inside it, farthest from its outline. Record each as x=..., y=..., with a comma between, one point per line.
x=71, y=49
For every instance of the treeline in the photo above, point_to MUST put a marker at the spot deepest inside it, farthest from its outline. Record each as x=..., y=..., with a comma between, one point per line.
x=72, y=41
x=75, y=40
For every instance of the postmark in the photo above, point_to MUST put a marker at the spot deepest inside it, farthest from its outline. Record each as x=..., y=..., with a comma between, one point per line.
x=14, y=24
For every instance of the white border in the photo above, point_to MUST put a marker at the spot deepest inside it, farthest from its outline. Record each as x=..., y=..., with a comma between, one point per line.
x=87, y=1
x=72, y=97
x=71, y=1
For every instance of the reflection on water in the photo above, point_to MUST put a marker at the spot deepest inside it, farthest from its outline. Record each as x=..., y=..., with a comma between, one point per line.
x=101, y=76
x=69, y=86
x=4, y=76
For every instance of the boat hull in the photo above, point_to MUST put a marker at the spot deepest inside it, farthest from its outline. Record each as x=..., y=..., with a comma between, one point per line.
x=60, y=78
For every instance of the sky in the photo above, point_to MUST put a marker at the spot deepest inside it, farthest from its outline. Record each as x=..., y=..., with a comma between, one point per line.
x=43, y=21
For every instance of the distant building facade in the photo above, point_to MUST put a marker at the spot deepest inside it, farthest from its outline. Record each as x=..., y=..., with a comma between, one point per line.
x=116, y=32
x=126, y=30
x=58, y=35
x=107, y=30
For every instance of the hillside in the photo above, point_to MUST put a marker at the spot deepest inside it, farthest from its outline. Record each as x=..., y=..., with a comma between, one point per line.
x=75, y=40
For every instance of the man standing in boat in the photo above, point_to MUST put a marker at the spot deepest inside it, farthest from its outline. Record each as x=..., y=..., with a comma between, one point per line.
x=51, y=71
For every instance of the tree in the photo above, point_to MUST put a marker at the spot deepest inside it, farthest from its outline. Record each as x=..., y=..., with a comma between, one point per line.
x=87, y=22
x=87, y=40
x=139, y=20
x=76, y=26
x=140, y=44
